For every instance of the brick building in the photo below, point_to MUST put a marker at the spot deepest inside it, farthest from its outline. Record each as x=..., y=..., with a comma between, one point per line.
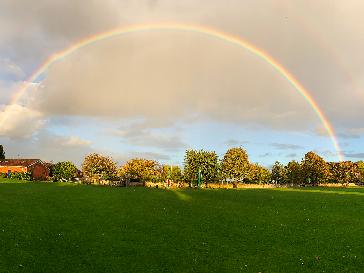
x=38, y=169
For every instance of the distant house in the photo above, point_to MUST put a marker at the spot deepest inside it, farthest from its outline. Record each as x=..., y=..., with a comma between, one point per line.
x=38, y=169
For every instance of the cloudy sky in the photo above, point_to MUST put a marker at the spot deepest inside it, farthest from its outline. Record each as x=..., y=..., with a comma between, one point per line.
x=155, y=94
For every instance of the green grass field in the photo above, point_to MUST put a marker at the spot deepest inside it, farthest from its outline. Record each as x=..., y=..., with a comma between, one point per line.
x=52, y=227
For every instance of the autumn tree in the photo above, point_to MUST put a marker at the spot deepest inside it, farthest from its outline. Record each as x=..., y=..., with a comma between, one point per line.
x=314, y=169
x=141, y=169
x=344, y=172
x=258, y=174
x=205, y=161
x=360, y=165
x=294, y=173
x=279, y=173
x=98, y=166
x=235, y=165
x=2, y=152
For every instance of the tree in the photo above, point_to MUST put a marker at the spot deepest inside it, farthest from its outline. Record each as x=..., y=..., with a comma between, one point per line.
x=2, y=152
x=314, y=169
x=64, y=171
x=360, y=165
x=294, y=173
x=235, y=165
x=204, y=161
x=258, y=174
x=279, y=173
x=99, y=167
x=344, y=172
x=141, y=170
x=172, y=172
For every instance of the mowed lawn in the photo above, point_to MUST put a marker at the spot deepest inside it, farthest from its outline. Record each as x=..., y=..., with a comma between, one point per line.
x=53, y=227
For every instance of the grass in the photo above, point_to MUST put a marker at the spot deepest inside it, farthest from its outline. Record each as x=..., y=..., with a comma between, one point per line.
x=54, y=227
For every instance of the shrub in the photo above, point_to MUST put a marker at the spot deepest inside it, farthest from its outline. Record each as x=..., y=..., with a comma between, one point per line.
x=64, y=171
x=21, y=176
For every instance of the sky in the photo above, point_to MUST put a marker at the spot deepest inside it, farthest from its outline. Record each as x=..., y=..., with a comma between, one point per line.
x=154, y=94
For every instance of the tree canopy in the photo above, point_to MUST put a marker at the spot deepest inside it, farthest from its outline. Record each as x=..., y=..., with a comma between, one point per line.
x=2, y=152
x=95, y=165
x=314, y=169
x=235, y=165
x=204, y=161
x=65, y=170
x=141, y=169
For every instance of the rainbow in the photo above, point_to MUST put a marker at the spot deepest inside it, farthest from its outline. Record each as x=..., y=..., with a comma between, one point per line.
x=229, y=38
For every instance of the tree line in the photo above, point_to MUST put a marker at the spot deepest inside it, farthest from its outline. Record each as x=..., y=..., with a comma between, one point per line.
x=234, y=167
x=205, y=166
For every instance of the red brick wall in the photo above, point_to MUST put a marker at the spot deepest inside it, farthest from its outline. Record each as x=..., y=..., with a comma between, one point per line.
x=39, y=172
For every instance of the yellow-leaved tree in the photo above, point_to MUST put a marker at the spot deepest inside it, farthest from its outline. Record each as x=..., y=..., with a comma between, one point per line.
x=140, y=169
x=96, y=166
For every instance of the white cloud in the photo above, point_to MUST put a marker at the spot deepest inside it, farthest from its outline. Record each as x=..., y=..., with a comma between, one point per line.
x=20, y=122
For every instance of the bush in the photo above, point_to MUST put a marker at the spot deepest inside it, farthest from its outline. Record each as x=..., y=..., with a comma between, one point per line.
x=21, y=176
x=64, y=171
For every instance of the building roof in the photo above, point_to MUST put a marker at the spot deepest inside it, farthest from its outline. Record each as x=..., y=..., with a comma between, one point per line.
x=19, y=162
